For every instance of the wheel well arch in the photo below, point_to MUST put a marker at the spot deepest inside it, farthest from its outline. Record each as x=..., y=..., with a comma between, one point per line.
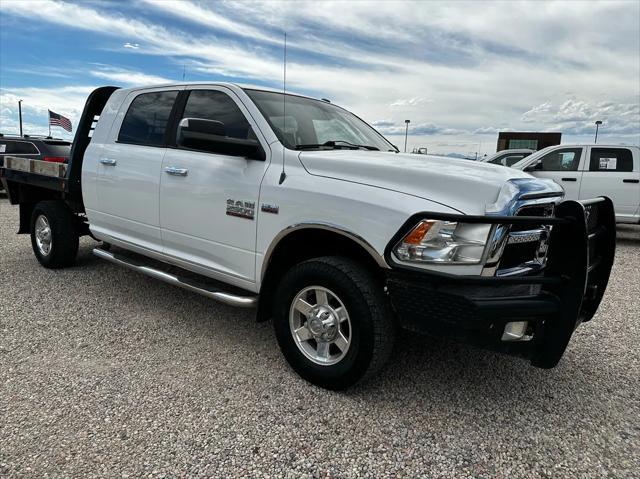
x=302, y=242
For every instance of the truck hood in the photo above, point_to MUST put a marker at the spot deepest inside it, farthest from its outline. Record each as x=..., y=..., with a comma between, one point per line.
x=465, y=185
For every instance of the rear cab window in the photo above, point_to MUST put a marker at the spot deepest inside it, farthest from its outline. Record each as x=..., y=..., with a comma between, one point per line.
x=145, y=122
x=611, y=160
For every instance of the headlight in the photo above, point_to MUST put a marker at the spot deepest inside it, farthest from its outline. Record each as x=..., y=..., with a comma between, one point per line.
x=436, y=241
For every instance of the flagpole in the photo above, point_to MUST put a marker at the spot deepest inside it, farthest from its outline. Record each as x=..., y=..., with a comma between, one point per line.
x=49, y=120
x=20, y=115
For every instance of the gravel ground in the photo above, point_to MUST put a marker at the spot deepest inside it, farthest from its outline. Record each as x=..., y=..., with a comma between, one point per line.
x=105, y=373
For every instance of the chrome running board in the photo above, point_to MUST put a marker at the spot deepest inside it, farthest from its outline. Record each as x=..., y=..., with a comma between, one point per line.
x=205, y=290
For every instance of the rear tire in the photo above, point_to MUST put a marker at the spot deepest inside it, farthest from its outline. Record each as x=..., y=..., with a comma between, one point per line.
x=54, y=237
x=347, y=335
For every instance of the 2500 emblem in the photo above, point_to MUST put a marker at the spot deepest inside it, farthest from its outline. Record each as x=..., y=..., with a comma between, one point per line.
x=241, y=209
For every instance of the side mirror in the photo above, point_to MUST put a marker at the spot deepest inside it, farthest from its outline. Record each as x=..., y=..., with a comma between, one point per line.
x=200, y=126
x=210, y=135
x=537, y=165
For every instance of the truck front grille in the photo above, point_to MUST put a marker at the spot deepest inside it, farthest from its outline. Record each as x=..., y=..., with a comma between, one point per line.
x=526, y=247
x=517, y=255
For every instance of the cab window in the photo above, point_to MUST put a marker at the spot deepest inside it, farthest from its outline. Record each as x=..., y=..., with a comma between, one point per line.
x=567, y=159
x=611, y=159
x=225, y=120
x=512, y=159
x=146, y=120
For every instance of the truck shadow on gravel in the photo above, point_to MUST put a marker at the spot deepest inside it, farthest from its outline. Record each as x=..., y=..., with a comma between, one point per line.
x=628, y=235
x=420, y=371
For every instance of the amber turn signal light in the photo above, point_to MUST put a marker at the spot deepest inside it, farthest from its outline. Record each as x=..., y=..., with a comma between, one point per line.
x=417, y=234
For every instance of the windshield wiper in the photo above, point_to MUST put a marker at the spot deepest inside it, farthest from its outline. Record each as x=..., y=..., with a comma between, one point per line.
x=335, y=144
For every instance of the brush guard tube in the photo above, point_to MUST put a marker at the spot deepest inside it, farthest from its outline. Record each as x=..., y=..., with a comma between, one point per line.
x=476, y=309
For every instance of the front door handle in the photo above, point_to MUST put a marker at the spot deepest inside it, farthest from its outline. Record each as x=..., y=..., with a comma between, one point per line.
x=630, y=181
x=172, y=170
x=108, y=161
x=569, y=179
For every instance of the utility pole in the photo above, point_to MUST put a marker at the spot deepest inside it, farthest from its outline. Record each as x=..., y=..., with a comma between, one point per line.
x=406, y=134
x=20, y=114
x=598, y=123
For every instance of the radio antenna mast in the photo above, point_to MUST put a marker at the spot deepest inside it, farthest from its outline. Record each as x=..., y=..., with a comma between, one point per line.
x=283, y=175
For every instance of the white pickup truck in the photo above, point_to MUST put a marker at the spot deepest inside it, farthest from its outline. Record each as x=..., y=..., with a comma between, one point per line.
x=507, y=157
x=297, y=207
x=585, y=171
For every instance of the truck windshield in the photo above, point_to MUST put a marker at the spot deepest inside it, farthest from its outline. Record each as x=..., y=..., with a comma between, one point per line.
x=315, y=124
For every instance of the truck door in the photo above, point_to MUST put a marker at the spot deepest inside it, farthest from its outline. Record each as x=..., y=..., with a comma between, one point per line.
x=562, y=166
x=612, y=172
x=209, y=189
x=128, y=171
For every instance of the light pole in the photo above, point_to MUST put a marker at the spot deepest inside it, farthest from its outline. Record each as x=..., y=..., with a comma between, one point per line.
x=20, y=114
x=598, y=123
x=406, y=133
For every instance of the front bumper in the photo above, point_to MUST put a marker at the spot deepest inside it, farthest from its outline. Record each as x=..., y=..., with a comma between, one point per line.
x=554, y=301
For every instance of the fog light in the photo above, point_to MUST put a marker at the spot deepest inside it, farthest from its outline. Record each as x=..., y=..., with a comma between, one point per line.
x=515, y=331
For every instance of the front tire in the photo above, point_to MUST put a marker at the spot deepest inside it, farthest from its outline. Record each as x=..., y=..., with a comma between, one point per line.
x=53, y=234
x=333, y=322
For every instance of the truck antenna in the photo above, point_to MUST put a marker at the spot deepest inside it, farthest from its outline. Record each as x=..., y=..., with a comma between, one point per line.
x=283, y=175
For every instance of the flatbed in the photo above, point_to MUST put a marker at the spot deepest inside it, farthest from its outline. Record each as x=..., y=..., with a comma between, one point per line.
x=29, y=181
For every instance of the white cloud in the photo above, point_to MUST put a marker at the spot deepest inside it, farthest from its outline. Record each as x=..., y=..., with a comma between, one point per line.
x=487, y=130
x=577, y=117
x=382, y=123
x=200, y=14
x=410, y=102
x=458, y=55
x=420, y=129
x=126, y=77
x=132, y=46
x=531, y=114
x=68, y=101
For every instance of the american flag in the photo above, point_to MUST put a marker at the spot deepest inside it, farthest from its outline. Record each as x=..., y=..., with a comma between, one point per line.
x=56, y=119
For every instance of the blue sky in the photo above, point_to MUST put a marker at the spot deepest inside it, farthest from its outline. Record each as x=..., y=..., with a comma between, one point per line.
x=460, y=71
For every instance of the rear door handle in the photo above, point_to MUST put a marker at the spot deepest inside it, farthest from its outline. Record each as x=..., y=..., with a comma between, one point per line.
x=631, y=181
x=569, y=179
x=108, y=161
x=172, y=170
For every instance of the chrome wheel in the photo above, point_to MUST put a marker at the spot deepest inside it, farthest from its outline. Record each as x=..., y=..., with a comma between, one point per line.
x=320, y=325
x=43, y=235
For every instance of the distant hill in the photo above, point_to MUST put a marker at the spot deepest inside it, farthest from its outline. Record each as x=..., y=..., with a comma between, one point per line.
x=458, y=155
